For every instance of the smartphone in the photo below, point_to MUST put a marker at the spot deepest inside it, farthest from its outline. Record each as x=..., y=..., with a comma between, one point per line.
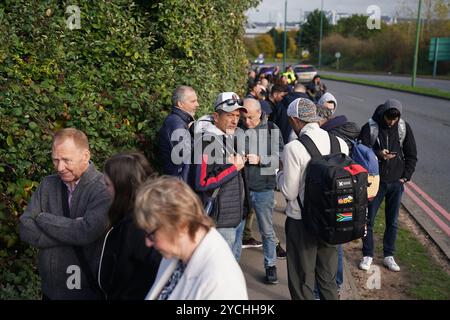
x=392, y=152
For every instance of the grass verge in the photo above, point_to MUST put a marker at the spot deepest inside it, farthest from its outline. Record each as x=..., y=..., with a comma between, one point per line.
x=436, y=93
x=428, y=280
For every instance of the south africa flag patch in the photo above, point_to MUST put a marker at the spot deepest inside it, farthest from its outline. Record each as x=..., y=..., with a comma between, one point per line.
x=344, y=217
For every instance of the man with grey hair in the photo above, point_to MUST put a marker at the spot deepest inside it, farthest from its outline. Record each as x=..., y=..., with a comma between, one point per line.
x=217, y=173
x=175, y=130
x=308, y=257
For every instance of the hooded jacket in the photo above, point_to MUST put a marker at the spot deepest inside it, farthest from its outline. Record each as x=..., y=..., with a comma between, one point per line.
x=342, y=128
x=210, y=170
x=401, y=166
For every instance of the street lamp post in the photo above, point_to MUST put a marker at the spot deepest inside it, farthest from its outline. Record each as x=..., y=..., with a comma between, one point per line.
x=321, y=32
x=416, y=51
x=284, y=35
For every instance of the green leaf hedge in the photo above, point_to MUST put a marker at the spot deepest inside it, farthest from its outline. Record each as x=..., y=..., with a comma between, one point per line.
x=113, y=78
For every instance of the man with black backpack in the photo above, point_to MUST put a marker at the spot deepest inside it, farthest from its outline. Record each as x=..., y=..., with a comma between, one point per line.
x=309, y=257
x=393, y=142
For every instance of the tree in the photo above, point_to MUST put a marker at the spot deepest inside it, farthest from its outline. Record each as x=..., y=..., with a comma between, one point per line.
x=355, y=26
x=311, y=30
x=265, y=45
x=251, y=47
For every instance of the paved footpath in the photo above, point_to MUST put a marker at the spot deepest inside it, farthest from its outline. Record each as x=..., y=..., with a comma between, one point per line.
x=252, y=266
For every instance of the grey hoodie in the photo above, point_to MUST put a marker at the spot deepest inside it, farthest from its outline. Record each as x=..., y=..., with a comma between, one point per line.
x=44, y=226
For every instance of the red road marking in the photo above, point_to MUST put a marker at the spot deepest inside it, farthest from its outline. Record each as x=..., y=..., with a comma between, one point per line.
x=427, y=210
x=430, y=200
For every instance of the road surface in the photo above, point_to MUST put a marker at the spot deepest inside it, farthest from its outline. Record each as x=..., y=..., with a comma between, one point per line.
x=427, y=197
x=443, y=85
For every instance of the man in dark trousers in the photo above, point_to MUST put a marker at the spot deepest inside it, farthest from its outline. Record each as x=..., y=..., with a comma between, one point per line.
x=393, y=142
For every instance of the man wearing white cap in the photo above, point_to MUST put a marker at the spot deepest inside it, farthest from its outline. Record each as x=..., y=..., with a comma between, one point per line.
x=308, y=257
x=218, y=176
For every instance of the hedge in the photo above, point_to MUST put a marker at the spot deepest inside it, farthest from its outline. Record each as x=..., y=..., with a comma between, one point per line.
x=112, y=78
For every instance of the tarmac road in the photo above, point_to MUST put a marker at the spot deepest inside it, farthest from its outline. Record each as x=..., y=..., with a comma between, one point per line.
x=406, y=80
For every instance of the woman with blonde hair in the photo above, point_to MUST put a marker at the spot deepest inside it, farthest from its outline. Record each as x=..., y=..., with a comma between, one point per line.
x=197, y=263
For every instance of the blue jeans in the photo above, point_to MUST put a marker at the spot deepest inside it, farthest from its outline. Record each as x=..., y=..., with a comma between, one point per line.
x=392, y=193
x=237, y=245
x=233, y=236
x=263, y=203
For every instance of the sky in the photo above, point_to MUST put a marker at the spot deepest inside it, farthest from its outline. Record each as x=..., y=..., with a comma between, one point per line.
x=271, y=9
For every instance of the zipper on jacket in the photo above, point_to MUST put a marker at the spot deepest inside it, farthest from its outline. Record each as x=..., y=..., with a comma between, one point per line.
x=100, y=265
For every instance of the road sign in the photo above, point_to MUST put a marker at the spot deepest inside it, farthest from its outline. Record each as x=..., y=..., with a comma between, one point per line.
x=337, y=55
x=439, y=51
x=442, y=46
x=305, y=54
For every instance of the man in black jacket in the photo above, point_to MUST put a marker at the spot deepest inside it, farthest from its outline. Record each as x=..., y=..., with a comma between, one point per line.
x=393, y=142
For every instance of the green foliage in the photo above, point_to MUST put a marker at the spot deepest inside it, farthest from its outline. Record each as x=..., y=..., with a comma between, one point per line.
x=311, y=30
x=355, y=26
x=265, y=45
x=113, y=79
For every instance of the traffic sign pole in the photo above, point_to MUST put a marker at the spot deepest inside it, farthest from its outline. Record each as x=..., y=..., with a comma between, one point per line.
x=436, y=49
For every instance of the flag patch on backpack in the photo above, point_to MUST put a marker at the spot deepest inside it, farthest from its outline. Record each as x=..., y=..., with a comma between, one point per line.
x=344, y=217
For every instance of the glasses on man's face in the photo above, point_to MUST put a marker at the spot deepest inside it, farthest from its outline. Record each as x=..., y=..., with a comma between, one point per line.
x=231, y=102
x=151, y=235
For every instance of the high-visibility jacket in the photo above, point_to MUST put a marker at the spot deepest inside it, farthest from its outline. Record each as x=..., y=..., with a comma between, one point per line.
x=290, y=75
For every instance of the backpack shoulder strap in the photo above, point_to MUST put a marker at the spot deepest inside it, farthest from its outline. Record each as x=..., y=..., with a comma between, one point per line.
x=373, y=126
x=335, y=146
x=401, y=131
x=310, y=146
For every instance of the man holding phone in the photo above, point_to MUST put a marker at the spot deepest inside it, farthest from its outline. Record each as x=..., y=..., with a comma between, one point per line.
x=393, y=142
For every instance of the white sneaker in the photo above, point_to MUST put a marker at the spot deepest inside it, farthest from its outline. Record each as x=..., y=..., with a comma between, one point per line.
x=365, y=263
x=390, y=263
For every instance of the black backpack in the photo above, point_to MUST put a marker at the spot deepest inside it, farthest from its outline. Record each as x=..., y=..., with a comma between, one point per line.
x=335, y=206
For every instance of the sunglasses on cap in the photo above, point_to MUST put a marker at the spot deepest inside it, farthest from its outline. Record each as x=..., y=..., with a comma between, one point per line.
x=231, y=102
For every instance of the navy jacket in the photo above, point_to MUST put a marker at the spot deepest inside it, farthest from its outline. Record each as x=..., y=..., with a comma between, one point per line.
x=177, y=119
x=279, y=115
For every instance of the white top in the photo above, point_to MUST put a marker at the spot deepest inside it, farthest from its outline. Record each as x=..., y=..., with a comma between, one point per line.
x=212, y=273
x=291, y=181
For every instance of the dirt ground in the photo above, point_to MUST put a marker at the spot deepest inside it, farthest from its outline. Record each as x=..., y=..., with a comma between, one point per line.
x=391, y=285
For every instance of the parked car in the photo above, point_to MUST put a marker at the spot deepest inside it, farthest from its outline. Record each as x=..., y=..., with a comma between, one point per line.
x=266, y=69
x=304, y=72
